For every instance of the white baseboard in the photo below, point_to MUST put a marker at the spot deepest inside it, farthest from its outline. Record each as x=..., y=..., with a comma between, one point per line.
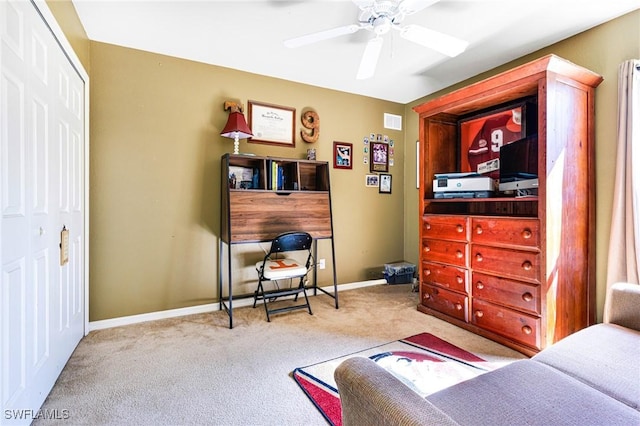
x=200, y=309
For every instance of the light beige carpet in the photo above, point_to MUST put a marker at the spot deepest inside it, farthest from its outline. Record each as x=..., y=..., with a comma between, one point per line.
x=194, y=370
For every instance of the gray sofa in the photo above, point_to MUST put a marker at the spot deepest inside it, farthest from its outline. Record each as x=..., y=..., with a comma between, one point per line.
x=591, y=377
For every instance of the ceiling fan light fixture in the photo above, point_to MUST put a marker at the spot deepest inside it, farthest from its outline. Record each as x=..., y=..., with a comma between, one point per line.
x=443, y=43
x=381, y=25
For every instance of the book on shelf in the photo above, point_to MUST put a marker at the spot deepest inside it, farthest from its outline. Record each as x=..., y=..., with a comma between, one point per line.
x=275, y=176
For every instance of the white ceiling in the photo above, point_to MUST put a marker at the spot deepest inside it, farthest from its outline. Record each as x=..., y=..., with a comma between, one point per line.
x=248, y=36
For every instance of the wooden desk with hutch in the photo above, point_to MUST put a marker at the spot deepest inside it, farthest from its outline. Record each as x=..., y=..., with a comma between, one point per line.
x=259, y=208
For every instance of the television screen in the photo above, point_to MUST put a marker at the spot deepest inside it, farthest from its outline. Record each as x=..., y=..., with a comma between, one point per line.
x=519, y=160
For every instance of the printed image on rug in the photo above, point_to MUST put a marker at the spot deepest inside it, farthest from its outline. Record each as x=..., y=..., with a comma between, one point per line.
x=423, y=362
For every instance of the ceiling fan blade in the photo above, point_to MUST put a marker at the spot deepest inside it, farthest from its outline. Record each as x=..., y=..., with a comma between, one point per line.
x=369, y=59
x=443, y=43
x=363, y=4
x=321, y=35
x=409, y=7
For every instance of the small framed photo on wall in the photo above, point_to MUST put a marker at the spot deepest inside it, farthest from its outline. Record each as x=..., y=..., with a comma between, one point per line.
x=379, y=157
x=385, y=184
x=342, y=155
x=372, y=181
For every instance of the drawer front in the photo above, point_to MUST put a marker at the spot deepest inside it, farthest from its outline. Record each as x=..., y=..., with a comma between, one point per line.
x=512, y=324
x=516, y=264
x=450, y=252
x=516, y=294
x=445, y=227
x=445, y=301
x=447, y=276
x=522, y=232
x=300, y=211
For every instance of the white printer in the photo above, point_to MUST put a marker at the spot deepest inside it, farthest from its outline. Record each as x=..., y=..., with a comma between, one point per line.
x=462, y=185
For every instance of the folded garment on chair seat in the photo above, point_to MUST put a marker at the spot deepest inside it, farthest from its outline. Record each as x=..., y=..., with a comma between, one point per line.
x=282, y=268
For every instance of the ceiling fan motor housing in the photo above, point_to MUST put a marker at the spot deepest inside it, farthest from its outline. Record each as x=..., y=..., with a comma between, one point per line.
x=381, y=25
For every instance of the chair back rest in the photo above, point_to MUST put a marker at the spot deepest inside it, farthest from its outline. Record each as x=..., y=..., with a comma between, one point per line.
x=291, y=241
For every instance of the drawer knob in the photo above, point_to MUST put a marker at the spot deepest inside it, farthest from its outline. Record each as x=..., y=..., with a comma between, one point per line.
x=427, y=271
x=479, y=314
x=527, y=297
x=527, y=265
x=459, y=228
x=426, y=249
x=458, y=306
x=459, y=279
x=427, y=296
x=459, y=254
x=526, y=329
x=526, y=233
x=479, y=257
x=478, y=229
x=479, y=285
x=427, y=226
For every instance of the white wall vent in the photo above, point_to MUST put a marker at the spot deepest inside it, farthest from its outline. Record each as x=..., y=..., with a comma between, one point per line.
x=392, y=121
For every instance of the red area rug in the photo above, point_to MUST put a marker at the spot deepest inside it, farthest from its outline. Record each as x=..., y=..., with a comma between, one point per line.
x=423, y=362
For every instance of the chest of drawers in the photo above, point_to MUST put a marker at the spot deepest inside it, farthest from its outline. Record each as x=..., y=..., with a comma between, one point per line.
x=485, y=272
x=517, y=268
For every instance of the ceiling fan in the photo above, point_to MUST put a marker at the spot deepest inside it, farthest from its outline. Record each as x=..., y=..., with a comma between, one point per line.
x=380, y=16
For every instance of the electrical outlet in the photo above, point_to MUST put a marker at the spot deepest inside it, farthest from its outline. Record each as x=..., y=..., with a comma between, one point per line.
x=321, y=264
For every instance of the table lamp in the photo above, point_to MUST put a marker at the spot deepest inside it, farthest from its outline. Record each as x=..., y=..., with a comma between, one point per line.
x=236, y=126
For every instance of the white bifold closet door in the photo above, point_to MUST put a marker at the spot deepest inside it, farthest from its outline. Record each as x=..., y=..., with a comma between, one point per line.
x=42, y=300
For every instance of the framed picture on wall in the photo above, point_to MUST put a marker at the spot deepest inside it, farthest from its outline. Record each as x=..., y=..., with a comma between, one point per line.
x=342, y=155
x=372, y=181
x=272, y=124
x=385, y=184
x=379, y=157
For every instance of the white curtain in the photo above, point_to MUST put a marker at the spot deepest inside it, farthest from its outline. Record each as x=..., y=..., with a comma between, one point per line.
x=624, y=244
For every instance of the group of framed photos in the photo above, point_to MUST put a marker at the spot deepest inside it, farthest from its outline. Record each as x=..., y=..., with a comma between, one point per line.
x=378, y=162
x=382, y=181
x=378, y=152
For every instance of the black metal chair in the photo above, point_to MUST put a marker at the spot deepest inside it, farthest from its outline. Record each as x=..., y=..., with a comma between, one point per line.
x=277, y=267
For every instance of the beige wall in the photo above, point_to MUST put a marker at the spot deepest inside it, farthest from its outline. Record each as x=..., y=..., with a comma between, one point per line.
x=67, y=18
x=155, y=155
x=155, y=178
x=601, y=49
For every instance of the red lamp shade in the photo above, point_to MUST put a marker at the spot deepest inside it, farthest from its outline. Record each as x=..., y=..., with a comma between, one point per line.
x=236, y=126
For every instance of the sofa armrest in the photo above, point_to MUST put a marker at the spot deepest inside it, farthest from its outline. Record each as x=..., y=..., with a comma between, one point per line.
x=623, y=305
x=370, y=395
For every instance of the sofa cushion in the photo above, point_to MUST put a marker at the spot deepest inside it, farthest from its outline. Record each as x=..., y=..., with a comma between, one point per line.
x=532, y=393
x=603, y=356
